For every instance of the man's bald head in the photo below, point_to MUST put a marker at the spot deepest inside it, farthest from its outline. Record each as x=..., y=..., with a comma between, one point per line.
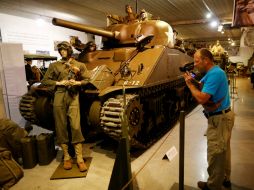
x=203, y=60
x=205, y=53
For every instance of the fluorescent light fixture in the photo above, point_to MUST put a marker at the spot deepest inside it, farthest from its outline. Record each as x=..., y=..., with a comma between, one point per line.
x=67, y=16
x=214, y=23
x=208, y=15
x=40, y=22
x=220, y=28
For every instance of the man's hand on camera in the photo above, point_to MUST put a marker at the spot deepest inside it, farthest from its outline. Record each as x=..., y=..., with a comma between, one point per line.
x=62, y=83
x=188, y=78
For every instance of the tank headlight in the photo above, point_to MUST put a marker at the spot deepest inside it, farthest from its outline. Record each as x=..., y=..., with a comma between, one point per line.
x=126, y=71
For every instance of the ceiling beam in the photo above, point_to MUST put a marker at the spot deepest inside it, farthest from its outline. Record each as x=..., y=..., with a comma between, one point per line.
x=210, y=39
x=199, y=21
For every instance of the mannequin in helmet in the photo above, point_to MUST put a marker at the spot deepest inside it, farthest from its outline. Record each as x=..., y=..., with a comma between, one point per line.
x=89, y=47
x=67, y=76
x=217, y=49
x=130, y=17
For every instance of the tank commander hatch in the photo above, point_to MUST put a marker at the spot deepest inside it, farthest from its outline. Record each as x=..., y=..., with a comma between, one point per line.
x=67, y=76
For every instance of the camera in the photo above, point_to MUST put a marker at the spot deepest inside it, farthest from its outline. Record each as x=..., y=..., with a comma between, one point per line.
x=187, y=67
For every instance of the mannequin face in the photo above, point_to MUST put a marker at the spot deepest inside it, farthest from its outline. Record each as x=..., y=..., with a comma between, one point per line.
x=92, y=48
x=128, y=9
x=64, y=53
x=29, y=62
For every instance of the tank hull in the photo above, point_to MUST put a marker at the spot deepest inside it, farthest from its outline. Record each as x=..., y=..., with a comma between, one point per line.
x=155, y=91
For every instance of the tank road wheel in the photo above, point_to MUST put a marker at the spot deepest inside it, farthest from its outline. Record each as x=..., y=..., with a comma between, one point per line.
x=112, y=111
x=134, y=114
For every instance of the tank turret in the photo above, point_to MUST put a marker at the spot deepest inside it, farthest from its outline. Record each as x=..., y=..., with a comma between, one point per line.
x=118, y=35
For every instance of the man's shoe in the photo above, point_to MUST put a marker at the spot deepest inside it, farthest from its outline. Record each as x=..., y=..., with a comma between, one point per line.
x=226, y=183
x=203, y=185
x=67, y=165
x=82, y=166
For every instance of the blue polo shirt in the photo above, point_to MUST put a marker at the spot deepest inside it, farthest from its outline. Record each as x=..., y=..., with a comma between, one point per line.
x=215, y=83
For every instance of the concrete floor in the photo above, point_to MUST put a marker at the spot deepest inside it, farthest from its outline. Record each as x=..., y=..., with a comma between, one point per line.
x=153, y=173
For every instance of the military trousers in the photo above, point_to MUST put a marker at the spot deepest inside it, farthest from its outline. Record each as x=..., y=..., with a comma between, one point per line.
x=66, y=107
x=218, y=149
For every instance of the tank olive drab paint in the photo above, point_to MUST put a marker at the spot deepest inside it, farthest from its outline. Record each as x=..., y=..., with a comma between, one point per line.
x=138, y=55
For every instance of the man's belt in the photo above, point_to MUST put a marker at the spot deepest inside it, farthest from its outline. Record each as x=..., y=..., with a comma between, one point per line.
x=217, y=113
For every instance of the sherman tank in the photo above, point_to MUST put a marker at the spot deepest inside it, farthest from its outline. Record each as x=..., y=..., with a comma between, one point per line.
x=138, y=57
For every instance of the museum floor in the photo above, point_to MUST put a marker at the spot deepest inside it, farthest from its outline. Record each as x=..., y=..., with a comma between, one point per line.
x=158, y=174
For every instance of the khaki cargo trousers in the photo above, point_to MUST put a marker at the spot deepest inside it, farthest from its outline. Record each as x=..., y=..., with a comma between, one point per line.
x=66, y=107
x=218, y=149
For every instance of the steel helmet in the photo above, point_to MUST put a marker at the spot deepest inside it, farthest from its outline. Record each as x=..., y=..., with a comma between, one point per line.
x=65, y=45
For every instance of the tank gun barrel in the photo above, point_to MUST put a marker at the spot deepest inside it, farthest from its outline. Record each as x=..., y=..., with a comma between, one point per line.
x=83, y=28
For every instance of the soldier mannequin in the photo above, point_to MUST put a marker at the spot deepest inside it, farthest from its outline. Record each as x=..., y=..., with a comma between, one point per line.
x=131, y=17
x=67, y=75
x=217, y=49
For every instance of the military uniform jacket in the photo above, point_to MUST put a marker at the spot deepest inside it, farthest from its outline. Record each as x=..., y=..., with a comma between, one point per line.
x=59, y=71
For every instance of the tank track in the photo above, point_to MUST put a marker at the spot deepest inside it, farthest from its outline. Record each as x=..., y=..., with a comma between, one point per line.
x=35, y=106
x=113, y=108
x=112, y=112
x=27, y=108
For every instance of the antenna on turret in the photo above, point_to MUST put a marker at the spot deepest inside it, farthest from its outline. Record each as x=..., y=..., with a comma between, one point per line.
x=136, y=6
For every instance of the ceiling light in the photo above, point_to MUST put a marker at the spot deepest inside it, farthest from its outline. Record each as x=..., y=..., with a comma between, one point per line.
x=40, y=22
x=229, y=39
x=214, y=23
x=233, y=43
x=208, y=15
x=222, y=31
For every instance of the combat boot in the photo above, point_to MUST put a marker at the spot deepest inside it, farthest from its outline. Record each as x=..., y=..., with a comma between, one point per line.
x=79, y=153
x=67, y=165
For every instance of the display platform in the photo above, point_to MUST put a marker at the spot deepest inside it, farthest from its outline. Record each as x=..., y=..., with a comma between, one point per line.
x=61, y=173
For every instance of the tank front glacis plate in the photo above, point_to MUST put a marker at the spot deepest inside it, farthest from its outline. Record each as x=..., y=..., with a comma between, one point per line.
x=159, y=65
x=148, y=59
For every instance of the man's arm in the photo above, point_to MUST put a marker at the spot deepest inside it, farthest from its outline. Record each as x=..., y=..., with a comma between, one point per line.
x=49, y=79
x=201, y=97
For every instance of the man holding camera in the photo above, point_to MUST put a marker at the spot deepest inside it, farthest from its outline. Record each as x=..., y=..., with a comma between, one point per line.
x=213, y=95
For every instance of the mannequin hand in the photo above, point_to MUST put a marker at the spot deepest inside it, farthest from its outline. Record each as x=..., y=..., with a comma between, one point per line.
x=62, y=83
x=73, y=82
